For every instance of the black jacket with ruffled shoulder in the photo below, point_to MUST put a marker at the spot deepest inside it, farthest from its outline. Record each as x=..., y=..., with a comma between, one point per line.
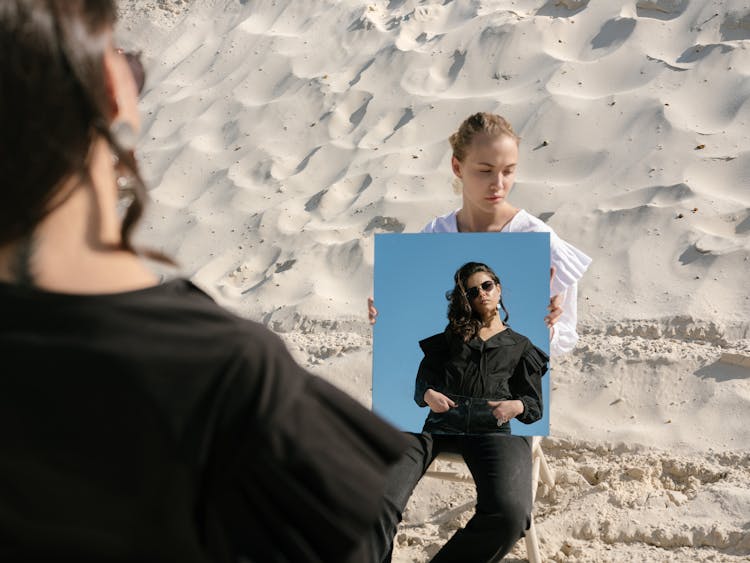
x=505, y=366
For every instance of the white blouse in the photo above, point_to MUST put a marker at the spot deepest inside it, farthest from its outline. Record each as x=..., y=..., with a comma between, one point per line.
x=570, y=264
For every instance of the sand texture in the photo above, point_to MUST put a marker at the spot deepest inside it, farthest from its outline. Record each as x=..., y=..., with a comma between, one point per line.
x=280, y=136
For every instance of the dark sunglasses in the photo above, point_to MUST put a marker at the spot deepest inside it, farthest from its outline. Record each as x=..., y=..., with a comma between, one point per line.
x=136, y=67
x=473, y=292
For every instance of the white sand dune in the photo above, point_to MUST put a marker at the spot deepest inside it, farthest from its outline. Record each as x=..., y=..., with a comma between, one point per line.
x=280, y=135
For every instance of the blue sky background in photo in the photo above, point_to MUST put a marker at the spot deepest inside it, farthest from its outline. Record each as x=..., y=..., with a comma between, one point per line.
x=413, y=273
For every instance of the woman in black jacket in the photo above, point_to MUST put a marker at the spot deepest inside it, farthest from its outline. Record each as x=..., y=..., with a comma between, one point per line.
x=475, y=376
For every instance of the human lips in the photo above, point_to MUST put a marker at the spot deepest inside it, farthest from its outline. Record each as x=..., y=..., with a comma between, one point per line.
x=494, y=198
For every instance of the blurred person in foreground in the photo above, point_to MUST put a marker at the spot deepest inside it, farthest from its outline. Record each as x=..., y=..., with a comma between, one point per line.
x=139, y=420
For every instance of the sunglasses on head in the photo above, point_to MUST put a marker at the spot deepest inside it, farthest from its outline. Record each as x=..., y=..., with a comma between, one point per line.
x=133, y=59
x=473, y=292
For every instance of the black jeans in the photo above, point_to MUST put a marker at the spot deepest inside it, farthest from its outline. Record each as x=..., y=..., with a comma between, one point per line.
x=501, y=467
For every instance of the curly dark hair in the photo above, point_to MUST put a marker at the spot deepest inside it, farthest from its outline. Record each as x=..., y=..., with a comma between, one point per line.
x=462, y=319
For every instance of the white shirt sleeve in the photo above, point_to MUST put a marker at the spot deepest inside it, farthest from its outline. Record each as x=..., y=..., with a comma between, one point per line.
x=564, y=336
x=570, y=264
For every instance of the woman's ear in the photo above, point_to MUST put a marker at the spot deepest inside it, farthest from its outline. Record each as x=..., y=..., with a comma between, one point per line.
x=121, y=90
x=456, y=166
x=109, y=85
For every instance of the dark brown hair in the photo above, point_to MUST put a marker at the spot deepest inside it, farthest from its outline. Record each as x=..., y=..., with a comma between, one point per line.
x=462, y=319
x=53, y=106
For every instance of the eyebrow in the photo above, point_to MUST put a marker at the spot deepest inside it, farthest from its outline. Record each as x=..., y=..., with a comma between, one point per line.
x=492, y=165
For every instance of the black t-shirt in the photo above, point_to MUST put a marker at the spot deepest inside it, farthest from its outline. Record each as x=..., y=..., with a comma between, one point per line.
x=154, y=425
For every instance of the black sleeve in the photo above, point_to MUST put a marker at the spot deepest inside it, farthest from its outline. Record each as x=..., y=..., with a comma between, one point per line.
x=526, y=383
x=431, y=372
x=424, y=382
x=300, y=472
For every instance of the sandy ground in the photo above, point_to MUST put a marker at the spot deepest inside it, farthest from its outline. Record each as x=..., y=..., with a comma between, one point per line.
x=279, y=136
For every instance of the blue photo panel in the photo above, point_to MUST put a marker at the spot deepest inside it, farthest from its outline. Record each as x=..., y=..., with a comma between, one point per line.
x=413, y=272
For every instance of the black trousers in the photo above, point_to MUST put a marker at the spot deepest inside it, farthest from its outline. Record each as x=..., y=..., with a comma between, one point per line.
x=501, y=467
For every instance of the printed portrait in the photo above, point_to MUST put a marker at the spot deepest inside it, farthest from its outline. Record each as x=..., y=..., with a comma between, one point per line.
x=413, y=286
